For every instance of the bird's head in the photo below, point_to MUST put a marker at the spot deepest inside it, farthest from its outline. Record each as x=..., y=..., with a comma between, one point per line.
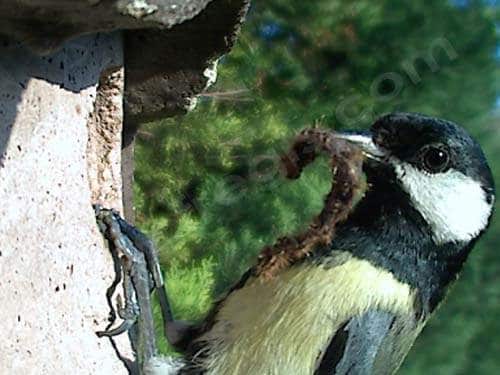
x=439, y=166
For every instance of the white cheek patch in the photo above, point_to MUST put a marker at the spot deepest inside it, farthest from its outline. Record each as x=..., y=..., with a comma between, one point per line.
x=453, y=204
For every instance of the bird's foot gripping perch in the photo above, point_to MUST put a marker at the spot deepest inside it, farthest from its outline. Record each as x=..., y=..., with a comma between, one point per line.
x=136, y=263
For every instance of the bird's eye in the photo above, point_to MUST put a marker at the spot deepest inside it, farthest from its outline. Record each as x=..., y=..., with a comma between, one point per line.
x=435, y=159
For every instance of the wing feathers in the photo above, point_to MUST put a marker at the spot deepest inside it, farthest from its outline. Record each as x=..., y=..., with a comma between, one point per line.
x=373, y=343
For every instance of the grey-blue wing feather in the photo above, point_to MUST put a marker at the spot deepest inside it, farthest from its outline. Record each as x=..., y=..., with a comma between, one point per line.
x=373, y=343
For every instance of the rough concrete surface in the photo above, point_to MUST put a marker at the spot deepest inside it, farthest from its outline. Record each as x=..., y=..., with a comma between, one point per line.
x=166, y=69
x=104, y=139
x=54, y=265
x=45, y=24
x=170, y=46
x=62, y=98
x=169, y=43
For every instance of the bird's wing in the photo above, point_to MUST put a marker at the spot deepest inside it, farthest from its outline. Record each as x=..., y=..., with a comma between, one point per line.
x=374, y=343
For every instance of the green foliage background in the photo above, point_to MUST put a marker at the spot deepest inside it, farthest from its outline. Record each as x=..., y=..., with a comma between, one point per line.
x=207, y=187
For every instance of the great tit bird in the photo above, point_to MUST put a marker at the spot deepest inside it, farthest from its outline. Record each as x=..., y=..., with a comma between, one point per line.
x=357, y=305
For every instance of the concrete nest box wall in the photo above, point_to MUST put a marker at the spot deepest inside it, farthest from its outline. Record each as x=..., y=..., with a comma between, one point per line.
x=70, y=72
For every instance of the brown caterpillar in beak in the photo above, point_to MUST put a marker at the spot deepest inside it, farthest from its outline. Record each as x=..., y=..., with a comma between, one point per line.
x=346, y=162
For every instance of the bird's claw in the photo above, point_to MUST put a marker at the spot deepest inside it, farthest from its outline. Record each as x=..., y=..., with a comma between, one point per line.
x=137, y=264
x=132, y=267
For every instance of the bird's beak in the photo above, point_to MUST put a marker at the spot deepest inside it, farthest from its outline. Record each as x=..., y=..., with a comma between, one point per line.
x=365, y=142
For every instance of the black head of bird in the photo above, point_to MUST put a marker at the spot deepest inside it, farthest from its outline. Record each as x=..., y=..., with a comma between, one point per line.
x=439, y=168
x=430, y=182
x=357, y=305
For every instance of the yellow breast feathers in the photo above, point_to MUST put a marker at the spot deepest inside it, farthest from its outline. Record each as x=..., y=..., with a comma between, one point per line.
x=280, y=326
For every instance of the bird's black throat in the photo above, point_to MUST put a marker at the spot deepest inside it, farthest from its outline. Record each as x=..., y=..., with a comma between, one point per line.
x=386, y=230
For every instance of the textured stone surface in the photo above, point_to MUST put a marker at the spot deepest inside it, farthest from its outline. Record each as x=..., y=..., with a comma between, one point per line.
x=54, y=265
x=166, y=69
x=45, y=24
x=169, y=44
x=60, y=136
x=105, y=138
